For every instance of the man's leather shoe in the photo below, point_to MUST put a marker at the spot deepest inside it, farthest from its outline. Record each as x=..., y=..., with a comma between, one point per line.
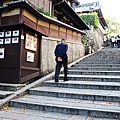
x=65, y=79
x=56, y=80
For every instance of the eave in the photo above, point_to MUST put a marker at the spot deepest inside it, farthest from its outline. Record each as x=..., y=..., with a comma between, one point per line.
x=70, y=13
x=30, y=8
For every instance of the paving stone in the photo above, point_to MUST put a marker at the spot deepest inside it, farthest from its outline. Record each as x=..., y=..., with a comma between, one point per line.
x=11, y=115
x=51, y=82
x=100, y=78
x=42, y=115
x=93, y=76
x=96, y=68
x=38, y=118
x=11, y=87
x=4, y=94
x=96, y=65
x=6, y=119
x=56, y=115
x=93, y=118
x=68, y=108
x=93, y=72
x=33, y=118
x=39, y=114
x=76, y=117
x=88, y=94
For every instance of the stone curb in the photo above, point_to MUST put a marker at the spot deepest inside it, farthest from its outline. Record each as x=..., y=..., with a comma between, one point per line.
x=24, y=90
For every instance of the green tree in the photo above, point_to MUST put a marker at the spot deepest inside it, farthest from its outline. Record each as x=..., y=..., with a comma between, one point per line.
x=113, y=28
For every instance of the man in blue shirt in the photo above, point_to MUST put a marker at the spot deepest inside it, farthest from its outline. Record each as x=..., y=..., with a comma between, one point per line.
x=61, y=59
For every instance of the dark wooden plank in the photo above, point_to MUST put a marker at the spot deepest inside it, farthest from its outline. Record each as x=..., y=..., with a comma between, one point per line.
x=30, y=68
x=10, y=20
x=31, y=76
x=29, y=22
x=62, y=34
x=43, y=30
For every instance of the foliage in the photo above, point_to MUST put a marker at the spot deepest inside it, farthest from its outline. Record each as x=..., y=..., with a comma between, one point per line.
x=113, y=28
x=84, y=42
x=91, y=19
x=44, y=12
x=84, y=39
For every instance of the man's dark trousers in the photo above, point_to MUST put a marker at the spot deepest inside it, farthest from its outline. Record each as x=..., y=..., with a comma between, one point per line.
x=118, y=42
x=58, y=67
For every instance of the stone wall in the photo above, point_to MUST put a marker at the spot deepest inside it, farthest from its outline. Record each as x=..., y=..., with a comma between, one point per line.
x=75, y=51
x=98, y=39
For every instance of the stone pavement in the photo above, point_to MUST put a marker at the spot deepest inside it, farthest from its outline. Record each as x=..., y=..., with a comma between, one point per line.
x=27, y=114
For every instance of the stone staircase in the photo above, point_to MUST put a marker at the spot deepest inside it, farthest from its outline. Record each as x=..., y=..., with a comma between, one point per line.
x=8, y=89
x=93, y=89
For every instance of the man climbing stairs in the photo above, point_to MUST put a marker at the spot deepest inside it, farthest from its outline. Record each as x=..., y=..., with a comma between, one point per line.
x=93, y=89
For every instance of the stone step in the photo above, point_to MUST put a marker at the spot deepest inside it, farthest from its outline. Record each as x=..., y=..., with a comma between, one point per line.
x=99, y=78
x=106, y=57
x=11, y=87
x=100, y=61
x=4, y=94
x=89, y=72
x=84, y=85
x=96, y=62
x=96, y=65
x=68, y=106
x=84, y=94
x=29, y=114
x=90, y=95
x=96, y=68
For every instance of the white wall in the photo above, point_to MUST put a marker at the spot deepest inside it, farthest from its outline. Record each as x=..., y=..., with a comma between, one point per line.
x=75, y=51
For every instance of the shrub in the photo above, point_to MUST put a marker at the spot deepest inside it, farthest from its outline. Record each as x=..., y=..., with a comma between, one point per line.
x=91, y=19
x=44, y=12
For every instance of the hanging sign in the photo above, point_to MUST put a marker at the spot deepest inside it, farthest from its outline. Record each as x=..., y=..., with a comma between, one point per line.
x=31, y=42
x=1, y=34
x=30, y=57
x=16, y=33
x=2, y=52
x=8, y=33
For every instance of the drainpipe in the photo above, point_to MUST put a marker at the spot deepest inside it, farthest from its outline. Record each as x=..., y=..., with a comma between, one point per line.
x=50, y=7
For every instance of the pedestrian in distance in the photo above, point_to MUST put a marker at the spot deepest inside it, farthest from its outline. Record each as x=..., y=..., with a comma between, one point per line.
x=104, y=41
x=61, y=59
x=113, y=40
x=118, y=40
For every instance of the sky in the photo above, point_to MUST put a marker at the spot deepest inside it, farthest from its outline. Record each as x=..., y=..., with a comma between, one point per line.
x=110, y=8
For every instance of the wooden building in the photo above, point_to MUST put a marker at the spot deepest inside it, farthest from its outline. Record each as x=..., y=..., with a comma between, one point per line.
x=24, y=32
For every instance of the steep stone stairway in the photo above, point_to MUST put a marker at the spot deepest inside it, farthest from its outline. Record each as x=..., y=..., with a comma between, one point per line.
x=93, y=89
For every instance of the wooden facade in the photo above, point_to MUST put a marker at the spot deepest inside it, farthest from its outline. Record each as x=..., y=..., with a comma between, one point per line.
x=16, y=67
